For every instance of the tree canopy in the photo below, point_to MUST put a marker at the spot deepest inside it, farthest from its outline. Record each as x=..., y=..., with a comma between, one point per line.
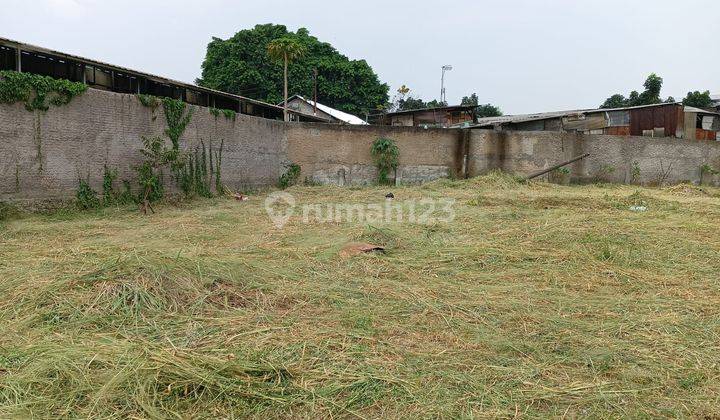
x=405, y=101
x=482, y=111
x=698, y=99
x=285, y=48
x=241, y=65
x=651, y=95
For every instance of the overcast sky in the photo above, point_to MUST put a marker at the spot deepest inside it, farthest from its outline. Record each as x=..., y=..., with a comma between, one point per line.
x=523, y=55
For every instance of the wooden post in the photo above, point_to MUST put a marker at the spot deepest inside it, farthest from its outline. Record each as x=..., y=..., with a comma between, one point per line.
x=18, y=59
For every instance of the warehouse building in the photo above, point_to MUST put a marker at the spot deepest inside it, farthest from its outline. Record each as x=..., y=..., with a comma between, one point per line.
x=28, y=58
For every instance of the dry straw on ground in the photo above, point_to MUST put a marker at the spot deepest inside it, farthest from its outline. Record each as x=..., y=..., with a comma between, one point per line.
x=537, y=301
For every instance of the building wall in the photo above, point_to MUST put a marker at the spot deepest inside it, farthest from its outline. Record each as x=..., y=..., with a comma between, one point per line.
x=43, y=154
x=305, y=108
x=617, y=159
x=340, y=154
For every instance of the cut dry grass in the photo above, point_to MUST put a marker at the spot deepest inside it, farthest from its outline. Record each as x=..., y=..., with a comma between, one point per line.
x=537, y=301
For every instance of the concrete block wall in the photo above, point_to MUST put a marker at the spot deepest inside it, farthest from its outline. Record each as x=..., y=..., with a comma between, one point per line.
x=618, y=159
x=43, y=154
x=340, y=154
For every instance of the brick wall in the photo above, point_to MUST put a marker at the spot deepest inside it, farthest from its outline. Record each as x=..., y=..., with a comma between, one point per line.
x=43, y=154
x=618, y=159
x=340, y=154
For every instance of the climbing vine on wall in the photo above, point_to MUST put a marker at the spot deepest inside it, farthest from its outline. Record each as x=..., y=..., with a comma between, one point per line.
x=201, y=168
x=228, y=113
x=176, y=118
x=149, y=101
x=194, y=171
x=36, y=91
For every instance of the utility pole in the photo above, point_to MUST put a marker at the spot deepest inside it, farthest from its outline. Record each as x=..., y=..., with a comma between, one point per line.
x=445, y=68
x=315, y=75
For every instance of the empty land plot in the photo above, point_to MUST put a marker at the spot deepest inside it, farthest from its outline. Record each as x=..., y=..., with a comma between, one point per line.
x=537, y=300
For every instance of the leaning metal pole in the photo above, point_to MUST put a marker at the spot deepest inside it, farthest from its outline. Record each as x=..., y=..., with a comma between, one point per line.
x=560, y=165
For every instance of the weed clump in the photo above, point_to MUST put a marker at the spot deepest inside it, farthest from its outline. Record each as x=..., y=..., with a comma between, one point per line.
x=8, y=211
x=87, y=198
x=290, y=177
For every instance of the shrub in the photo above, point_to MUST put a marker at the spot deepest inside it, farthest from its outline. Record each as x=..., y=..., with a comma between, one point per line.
x=290, y=177
x=7, y=211
x=87, y=198
x=387, y=157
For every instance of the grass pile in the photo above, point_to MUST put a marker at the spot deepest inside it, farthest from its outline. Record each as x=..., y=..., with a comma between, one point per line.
x=537, y=300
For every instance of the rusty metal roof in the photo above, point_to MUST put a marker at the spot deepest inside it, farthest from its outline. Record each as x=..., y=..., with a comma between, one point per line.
x=505, y=119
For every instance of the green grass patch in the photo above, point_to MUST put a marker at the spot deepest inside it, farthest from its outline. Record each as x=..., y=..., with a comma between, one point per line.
x=537, y=301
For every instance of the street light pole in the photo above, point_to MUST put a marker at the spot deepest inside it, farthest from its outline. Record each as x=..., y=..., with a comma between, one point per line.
x=445, y=68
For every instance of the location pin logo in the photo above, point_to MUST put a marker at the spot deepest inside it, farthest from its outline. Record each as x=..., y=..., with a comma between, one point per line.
x=280, y=206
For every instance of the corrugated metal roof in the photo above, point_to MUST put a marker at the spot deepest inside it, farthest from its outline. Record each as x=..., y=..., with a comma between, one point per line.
x=442, y=108
x=342, y=116
x=699, y=110
x=490, y=121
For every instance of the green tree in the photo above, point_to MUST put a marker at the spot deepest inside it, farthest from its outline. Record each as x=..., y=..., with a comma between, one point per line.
x=698, y=99
x=653, y=86
x=404, y=101
x=482, y=111
x=615, y=101
x=488, y=110
x=470, y=100
x=285, y=50
x=651, y=95
x=242, y=66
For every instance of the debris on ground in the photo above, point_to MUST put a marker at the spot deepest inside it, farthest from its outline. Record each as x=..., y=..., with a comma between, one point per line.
x=241, y=197
x=390, y=196
x=638, y=208
x=358, y=248
x=687, y=190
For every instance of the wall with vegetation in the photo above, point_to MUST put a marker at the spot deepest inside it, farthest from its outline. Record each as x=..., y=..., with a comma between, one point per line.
x=617, y=159
x=340, y=154
x=43, y=154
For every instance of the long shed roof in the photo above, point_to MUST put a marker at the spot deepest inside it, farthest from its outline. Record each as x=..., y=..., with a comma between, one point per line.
x=34, y=48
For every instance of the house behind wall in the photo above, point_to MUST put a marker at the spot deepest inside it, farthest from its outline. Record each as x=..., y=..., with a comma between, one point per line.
x=661, y=120
x=442, y=117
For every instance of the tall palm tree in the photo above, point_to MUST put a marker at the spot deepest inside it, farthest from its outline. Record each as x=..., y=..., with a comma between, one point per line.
x=286, y=49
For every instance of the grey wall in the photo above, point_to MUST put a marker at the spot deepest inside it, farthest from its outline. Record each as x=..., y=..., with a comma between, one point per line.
x=43, y=154
x=340, y=154
x=620, y=159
